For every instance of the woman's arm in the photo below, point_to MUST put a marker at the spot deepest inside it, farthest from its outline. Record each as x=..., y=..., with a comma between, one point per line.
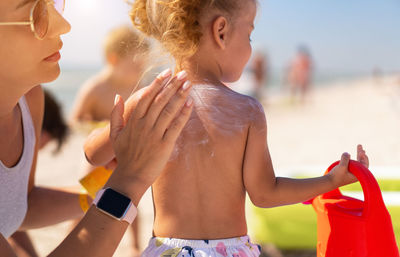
x=46, y=206
x=49, y=206
x=161, y=114
x=266, y=190
x=151, y=130
x=5, y=248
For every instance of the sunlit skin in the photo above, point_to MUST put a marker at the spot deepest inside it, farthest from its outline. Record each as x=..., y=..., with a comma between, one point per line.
x=22, y=68
x=25, y=62
x=222, y=152
x=201, y=195
x=26, y=65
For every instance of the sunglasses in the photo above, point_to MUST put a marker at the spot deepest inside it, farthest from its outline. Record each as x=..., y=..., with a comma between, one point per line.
x=39, y=17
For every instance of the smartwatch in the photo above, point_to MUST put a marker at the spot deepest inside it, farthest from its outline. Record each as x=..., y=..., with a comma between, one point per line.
x=115, y=205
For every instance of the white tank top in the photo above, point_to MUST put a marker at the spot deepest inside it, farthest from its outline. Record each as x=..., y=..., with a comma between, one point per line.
x=14, y=181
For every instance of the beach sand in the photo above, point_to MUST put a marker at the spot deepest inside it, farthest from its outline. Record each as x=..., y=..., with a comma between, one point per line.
x=303, y=139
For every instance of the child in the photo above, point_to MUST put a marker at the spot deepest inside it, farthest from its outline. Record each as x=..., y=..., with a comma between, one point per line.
x=125, y=55
x=222, y=152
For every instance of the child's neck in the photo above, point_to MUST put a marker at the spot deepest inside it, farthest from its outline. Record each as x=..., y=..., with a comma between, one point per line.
x=202, y=73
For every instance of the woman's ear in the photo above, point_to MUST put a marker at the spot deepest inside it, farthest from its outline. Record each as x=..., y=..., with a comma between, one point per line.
x=220, y=31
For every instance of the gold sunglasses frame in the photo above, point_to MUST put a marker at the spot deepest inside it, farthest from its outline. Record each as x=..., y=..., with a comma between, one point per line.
x=31, y=22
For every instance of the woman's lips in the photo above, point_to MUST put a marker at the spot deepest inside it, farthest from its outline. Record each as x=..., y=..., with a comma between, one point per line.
x=54, y=57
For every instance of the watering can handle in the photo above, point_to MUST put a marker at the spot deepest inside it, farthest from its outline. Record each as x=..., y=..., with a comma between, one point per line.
x=372, y=192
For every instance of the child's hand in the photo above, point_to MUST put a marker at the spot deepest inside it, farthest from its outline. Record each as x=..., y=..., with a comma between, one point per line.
x=362, y=157
x=340, y=174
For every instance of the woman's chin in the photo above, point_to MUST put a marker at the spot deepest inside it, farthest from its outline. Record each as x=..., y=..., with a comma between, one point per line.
x=50, y=73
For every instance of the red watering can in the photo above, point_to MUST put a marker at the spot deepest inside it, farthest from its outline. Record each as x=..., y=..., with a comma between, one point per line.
x=348, y=227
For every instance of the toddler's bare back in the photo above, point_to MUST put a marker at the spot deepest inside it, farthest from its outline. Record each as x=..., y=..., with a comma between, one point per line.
x=200, y=194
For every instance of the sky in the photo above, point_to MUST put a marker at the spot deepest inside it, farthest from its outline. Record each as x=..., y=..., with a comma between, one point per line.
x=342, y=35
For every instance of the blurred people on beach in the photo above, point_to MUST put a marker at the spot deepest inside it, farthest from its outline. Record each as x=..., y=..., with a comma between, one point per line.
x=398, y=80
x=125, y=53
x=254, y=77
x=54, y=126
x=299, y=75
x=55, y=129
x=377, y=75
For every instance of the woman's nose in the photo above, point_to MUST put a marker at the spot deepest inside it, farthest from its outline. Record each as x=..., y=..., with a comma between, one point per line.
x=58, y=25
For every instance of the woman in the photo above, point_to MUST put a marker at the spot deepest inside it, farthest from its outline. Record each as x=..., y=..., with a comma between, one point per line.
x=28, y=59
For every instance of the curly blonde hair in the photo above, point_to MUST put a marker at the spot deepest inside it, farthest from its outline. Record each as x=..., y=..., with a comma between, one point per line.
x=176, y=23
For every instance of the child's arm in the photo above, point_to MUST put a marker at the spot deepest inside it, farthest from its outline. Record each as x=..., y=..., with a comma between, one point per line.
x=98, y=147
x=266, y=190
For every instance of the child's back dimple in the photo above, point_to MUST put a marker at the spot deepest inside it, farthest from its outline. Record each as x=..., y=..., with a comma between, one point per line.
x=201, y=194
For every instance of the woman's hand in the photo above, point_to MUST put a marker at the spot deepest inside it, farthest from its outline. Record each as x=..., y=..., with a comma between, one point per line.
x=144, y=144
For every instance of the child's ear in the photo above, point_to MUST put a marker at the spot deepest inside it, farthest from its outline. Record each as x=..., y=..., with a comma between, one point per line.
x=220, y=31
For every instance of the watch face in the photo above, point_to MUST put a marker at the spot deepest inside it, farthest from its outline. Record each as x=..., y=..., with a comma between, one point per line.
x=113, y=203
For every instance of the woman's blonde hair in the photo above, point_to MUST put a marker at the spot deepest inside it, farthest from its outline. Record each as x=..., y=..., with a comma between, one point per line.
x=176, y=23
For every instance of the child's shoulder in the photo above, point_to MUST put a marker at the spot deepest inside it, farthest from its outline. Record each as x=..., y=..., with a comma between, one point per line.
x=250, y=104
x=242, y=107
x=225, y=101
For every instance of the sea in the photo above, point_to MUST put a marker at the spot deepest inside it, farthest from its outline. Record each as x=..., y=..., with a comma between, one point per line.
x=66, y=87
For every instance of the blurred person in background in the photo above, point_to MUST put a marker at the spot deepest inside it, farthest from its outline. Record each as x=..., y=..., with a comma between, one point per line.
x=54, y=126
x=254, y=77
x=260, y=70
x=125, y=54
x=299, y=75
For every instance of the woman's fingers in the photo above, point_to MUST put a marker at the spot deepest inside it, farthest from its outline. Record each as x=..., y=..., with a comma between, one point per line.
x=165, y=96
x=173, y=107
x=150, y=93
x=117, y=119
x=175, y=128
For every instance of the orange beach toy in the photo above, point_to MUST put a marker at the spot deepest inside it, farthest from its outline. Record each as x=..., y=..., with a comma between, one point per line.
x=348, y=227
x=95, y=180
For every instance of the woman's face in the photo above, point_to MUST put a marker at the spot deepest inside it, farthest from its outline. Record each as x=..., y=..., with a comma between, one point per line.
x=26, y=61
